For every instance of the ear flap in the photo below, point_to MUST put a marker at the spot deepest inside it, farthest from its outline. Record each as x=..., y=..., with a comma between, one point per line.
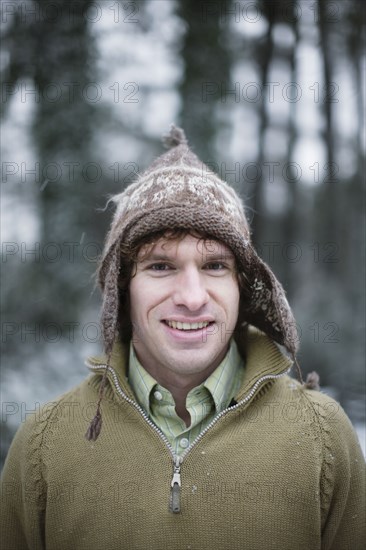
x=108, y=278
x=265, y=305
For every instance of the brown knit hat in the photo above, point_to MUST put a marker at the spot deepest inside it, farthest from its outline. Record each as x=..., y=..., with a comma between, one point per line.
x=180, y=191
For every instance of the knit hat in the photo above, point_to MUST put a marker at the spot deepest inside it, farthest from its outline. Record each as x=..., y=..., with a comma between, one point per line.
x=178, y=191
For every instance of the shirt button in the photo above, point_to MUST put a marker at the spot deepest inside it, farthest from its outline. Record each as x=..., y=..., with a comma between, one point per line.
x=158, y=395
x=184, y=442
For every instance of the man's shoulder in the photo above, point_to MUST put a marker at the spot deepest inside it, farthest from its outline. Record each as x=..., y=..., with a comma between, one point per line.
x=318, y=409
x=73, y=399
x=60, y=413
x=314, y=400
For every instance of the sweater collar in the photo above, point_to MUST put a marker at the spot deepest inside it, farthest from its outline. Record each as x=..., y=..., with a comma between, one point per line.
x=263, y=357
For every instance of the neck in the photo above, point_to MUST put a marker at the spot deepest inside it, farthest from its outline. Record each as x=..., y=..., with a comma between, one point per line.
x=179, y=387
x=180, y=398
x=178, y=384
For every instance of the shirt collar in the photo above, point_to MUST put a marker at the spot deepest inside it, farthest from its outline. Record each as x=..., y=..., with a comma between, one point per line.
x=222, y=384
x=141, y=382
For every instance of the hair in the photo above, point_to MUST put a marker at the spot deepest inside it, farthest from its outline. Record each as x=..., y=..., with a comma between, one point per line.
x=129, y=255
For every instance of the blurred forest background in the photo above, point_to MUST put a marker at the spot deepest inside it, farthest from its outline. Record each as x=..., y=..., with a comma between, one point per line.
x=271, y=96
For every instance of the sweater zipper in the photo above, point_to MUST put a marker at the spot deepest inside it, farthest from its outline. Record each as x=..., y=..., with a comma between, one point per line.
x=175, y=486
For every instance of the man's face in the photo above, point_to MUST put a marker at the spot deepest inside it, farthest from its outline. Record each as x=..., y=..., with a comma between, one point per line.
x=184, y=307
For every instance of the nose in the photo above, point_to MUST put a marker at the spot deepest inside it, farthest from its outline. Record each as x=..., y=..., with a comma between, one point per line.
x=190, y=290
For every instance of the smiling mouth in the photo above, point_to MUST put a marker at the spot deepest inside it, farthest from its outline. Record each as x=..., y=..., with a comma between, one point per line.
x=188, y=326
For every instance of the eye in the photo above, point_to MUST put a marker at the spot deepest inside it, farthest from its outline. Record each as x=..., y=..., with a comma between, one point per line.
x=159, y=267
x=215, y=266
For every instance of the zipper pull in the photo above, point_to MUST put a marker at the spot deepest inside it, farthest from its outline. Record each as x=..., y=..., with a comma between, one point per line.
x=175, y=488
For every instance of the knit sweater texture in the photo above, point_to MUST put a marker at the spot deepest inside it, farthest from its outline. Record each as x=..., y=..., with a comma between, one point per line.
x=280, y=470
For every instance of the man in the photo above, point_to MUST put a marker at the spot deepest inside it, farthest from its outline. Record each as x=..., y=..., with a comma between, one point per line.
x=200, y=439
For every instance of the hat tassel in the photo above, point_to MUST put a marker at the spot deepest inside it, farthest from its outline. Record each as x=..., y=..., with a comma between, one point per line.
x=95, y=426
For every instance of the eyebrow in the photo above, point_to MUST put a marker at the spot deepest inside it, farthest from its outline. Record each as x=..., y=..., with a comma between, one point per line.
x=160, y=257
x=222, y=256
x=154, y=257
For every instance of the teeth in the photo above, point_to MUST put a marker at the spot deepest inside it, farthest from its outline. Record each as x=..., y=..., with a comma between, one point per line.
x=187, y=326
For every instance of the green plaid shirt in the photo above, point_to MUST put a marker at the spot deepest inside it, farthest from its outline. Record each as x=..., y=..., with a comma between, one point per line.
x=203, y=402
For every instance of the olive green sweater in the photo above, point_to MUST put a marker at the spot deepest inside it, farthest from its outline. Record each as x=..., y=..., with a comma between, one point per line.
x=280, y=470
